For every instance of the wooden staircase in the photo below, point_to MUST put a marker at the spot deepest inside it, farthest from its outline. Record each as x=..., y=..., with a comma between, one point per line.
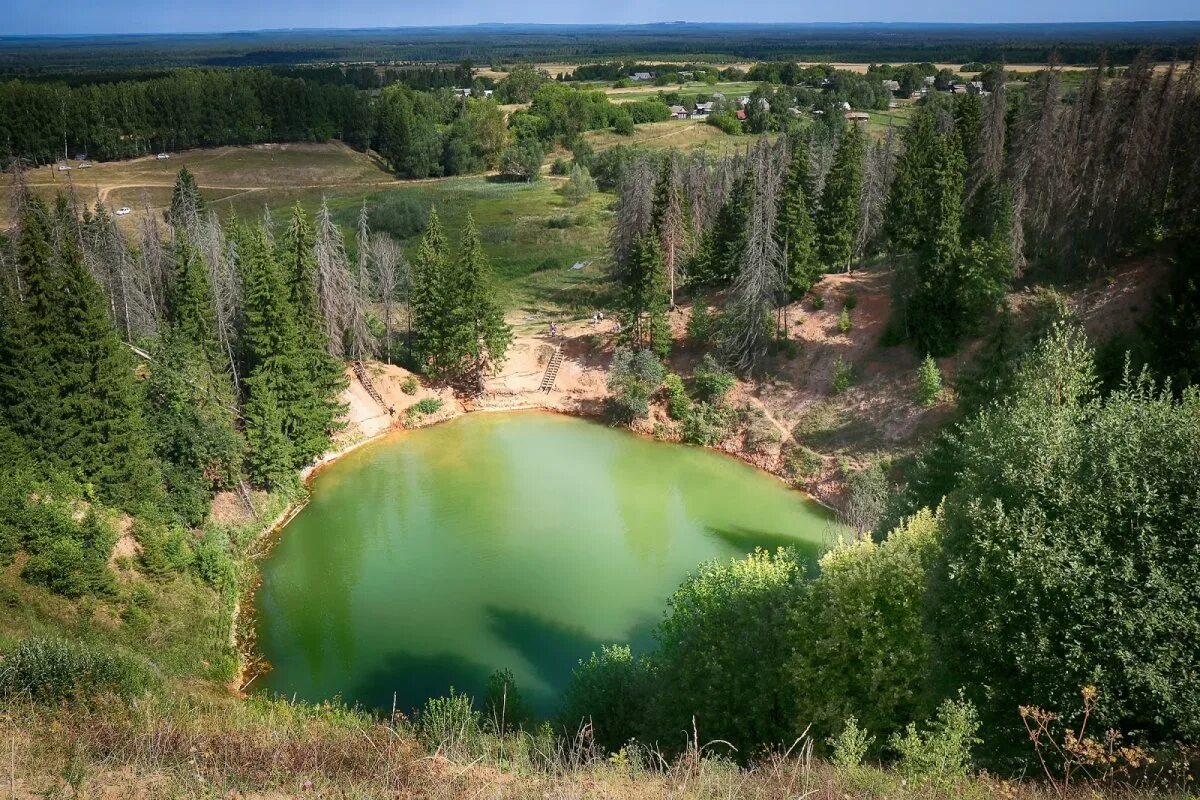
x=360, y=372
x=552, y=371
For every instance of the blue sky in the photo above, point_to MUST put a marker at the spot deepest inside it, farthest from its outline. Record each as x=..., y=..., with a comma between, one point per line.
x=158, y=16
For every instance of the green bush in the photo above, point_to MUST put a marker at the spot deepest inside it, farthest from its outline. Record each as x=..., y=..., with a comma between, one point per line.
x=560, y=222
x=844, y=324
x=504, y=707
x=851, y=301
x=52, y=669
x=213, y=561
x=801, y=462
x=722, y=658
x=633, y=377
x=711, y=381
x=702, y=324
x=708, y=425
x=843, y=374
x=426, y=405
x=678, y=404
x=850, y=746
x=449, y=724
x=409, y=386
x=610, y=690
x=929, y=381
x=939, y=756
x=164, y=551
x=560, y=166
x=818, y=302
x=67, y=557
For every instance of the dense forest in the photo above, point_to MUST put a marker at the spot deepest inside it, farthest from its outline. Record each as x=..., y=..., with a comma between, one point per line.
x=1077, y=43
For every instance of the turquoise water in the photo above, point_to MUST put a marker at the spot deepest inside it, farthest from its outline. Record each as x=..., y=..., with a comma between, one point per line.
x=525, y=541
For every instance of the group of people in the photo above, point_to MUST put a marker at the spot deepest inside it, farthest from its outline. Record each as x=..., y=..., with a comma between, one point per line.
x=597, y=319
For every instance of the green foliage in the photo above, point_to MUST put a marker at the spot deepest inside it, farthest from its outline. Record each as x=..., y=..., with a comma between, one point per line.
x=448, y=724
x=612, y=691
x=644, y=298
x=51, y=670
x=850, y=746
x=739, y=693
x=712, y=382
x=504, y=708
x=1068, y=550
x=623, y=122
x=632, y=378
x=837, y=224
x=796, y=230
x=426, y=405
x=929, y=381
x=69, y=557
x=818, y=302
x=678, y=403
x=164, y=551
x=409, y=385
x=213, y=561
x=406, y=132
x=843, y=374
x=522, y=160
x=860, y=646
x=579, y=186
x=707, y=424
x=459, y=329
x=940, y=755
x=1173, y=327
x=702, y=324
x=843, y=323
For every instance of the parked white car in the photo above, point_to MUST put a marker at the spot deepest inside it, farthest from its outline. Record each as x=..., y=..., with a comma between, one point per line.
x=122, y=211
x=64, y=167
x=163, y=156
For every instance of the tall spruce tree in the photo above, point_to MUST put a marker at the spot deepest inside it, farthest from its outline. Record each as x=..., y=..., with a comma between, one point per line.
x=644, y=298
x=720, y=253
x=482, y=330
x=907, y=216
x=837, y=224
x=191, y=308
x=101, y=437
x=325, y=376
x=796, y=230
x=432, y=297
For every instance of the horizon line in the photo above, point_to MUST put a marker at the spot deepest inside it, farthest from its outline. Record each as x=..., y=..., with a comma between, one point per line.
x=349, y=29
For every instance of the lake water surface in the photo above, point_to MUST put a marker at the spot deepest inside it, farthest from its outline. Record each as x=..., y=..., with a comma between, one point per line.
x=431, y=558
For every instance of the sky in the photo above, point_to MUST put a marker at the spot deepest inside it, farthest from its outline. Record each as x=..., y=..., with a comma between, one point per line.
x=188, y=16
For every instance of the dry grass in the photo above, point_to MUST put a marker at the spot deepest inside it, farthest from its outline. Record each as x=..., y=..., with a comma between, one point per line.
x=678, y=134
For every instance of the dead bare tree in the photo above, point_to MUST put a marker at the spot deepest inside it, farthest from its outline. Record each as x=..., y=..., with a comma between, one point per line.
x=223, y=284
x=335, y=284
x=357, y=334
x=391, y=282
x=760, y=279
x=634, y=213
x=879, y=167
x=674, y=232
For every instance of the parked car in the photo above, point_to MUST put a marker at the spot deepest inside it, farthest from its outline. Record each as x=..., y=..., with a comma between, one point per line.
x=64, y=167
x=163, y=156
x=122, y=211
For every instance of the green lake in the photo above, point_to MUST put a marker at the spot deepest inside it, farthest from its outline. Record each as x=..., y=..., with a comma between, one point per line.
x=432, y=558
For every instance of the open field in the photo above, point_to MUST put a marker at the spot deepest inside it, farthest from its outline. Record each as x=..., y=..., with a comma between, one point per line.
x=647, y=92
x=239, y=179
x=532, y=236
x=678, y=134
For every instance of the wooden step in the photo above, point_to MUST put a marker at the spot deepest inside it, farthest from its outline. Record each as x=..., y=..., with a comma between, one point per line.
x=360, y=372
x=551, y=371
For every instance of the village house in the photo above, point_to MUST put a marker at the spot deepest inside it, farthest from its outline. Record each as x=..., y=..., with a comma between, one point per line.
x=858, y=117
x=892, y=86
x=679, y=112
x=643, y=76
x=702, y=110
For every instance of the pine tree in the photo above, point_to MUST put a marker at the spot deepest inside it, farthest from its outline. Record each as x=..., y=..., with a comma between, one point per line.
x=720, y=254
x=837, y=224
x=325, y=376
x=907, y=215
x=187, y=205
x=191, y=308
x=671, y=223
x=796, y=230
x=431, y=298
x=644, y=298
x=277, y=365
x=484, y=333
x=102, y=438
x=269, y=453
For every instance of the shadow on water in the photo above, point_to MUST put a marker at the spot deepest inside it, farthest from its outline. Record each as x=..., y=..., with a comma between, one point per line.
x=746, y=539
x=415, y=678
